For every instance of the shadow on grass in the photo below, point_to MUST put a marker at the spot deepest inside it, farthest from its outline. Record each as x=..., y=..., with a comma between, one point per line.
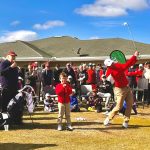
x=119, y=127
x=35, y=125
x=76, y=125
x=41, y=118
x=35, y=113
x=32, y=126
x=40, y=113
x=81, y=125
x=18, y=146
x=144, y=114
x=104, y=128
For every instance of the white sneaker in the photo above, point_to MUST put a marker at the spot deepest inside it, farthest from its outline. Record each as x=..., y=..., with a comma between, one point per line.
x=69, y=127
x=125, y=124
x=106, y=122
x=106, y=113
x=59, y=128
x=120, y=114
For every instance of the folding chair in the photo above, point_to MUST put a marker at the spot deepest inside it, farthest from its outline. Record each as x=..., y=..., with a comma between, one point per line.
x=84, y=90
x=142, y=85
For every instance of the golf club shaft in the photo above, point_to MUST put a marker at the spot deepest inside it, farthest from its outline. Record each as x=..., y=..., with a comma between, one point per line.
x=133, y=42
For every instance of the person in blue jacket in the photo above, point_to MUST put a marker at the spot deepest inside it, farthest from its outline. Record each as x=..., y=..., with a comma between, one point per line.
x=74, y=102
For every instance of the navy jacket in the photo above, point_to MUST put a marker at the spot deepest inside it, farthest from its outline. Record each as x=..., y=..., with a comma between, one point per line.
x=47, y=77
x=8, y=76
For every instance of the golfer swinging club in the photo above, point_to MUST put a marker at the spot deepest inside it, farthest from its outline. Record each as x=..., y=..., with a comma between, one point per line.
x=122, y=90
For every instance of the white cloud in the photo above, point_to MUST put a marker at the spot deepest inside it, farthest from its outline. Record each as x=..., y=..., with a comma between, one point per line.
x=15, y=23
x=98, y=11
x=24, y=35
x=94, y=38
x=133, y=4
x=49, y=24
x=111, y=8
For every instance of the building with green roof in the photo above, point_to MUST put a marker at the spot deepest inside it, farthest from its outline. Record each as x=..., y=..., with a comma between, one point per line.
x=68, y=49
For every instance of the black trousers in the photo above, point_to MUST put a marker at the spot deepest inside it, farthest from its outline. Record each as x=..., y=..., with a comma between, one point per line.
x=6, y=96
x=147, y=94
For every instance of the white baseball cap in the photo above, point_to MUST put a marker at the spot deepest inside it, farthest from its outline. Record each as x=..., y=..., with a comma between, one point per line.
x=19, y=78
x=69, y=77
x=73, y=90
x=47, y=95
x=140, y=65
x=108, y=62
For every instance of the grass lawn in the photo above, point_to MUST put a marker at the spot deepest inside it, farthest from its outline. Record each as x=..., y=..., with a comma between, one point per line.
x=89, y=134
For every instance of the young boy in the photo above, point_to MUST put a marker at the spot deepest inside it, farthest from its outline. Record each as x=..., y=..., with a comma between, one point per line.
x=64, y=90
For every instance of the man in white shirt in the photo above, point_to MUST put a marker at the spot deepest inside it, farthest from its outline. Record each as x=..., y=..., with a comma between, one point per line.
x=146, y=74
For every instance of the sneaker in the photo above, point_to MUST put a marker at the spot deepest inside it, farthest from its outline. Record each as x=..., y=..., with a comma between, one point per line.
x=106, y=113
x=69, y=127
x=120, y=114
x=106, y=108
x=59, y=128
x=106, y=122
x=125, y=124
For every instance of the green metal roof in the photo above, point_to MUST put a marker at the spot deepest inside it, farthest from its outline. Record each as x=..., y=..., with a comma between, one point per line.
x=65, y=47
x=22, y=49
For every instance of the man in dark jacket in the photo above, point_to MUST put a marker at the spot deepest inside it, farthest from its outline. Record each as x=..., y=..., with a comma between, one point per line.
x=47, y=79
x=69, y=71
x=57, y=72
x=105, y=90
x=8, y=79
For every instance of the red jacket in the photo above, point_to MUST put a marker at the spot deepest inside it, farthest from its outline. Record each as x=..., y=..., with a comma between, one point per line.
x=117, y=71
x=138, y=73
x=63, y=93
x=91, y=76
x=101, y=72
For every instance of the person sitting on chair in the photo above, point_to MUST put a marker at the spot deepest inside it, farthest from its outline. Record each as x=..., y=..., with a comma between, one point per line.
x=105, y=90
x=74, y=102
x=94, y=101
x=48, y=103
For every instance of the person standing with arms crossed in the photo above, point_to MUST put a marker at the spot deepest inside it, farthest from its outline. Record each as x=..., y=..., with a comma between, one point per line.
x=64, y=90
x=122, y=90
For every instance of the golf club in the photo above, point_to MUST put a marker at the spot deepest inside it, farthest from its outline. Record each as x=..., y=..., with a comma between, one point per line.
x=127, y=25
x=133, y=42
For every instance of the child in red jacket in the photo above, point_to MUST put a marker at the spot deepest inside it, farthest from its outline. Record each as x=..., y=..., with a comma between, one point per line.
x=64, y=90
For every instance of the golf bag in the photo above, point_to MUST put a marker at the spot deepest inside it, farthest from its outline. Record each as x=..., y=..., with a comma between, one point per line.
x=3, y=119
x=16, y=105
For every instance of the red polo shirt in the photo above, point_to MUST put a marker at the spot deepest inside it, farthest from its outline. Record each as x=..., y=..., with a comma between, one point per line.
x=63, y=93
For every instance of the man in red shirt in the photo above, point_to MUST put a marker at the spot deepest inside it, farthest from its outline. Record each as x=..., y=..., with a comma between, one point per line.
x=122, y=90
x=91, y=75
x=138, y=74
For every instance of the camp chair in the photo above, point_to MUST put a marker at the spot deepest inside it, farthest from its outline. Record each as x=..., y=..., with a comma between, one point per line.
x=84, y=90
x=142, y=85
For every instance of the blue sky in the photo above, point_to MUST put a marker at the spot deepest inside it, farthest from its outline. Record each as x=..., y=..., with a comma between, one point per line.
x=85, y=19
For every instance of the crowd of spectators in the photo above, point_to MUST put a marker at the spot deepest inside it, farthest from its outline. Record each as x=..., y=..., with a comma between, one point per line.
x=44, y=79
